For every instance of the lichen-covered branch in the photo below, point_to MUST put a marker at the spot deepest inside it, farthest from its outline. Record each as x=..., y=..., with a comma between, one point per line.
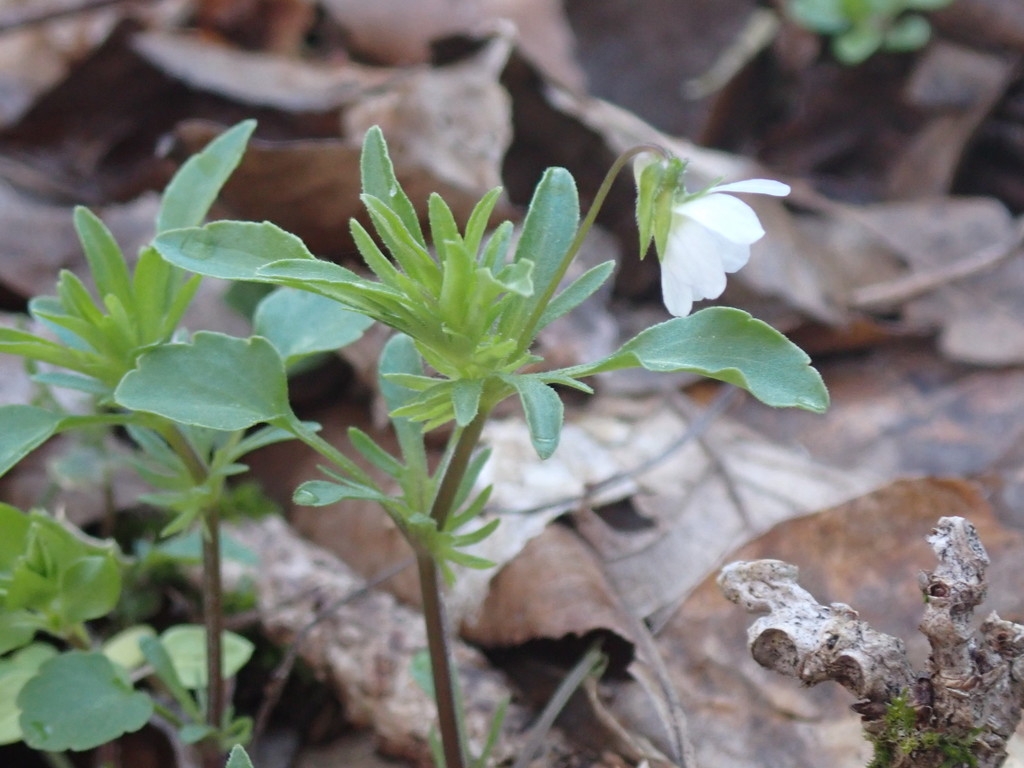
x=960, y=710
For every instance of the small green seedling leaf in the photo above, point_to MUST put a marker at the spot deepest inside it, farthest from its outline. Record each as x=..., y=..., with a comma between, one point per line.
x=15, y=671
x=197, y=183
x=79, y=700
x=729, y=345
x=186, y=645
x=123, y=648
x=299, y=323
x=239, y=758
x=217, y=381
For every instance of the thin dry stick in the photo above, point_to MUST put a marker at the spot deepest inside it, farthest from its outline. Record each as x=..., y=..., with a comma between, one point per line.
x=895, y=292
x=591, y=663
x=12, y=21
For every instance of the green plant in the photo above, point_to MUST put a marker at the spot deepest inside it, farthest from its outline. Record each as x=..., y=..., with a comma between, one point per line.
x=51, y=579
x=859, y=28
x=465, y=317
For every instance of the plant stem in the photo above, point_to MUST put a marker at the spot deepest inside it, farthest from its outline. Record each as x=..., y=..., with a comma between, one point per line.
x=213, y=618
x=445, y=691
x=448, y=718
x=58, y=759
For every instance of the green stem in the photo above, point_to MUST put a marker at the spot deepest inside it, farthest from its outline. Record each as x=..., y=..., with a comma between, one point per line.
x=581, y=235
x=213, y=591
x=438, y=646
x=213, y=618
x=439, y=649
x=58, y=760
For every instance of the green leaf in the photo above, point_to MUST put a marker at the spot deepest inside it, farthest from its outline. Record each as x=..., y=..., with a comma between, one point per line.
x=15, y=671
x=106, y=262
x=123, y=647
x=548, y=230
x=231, y=250
x=239, y=758
x=195, y=186
x=581, y=289
x=299, y=323
x=23, y=428
x=90, y=588
x=544, y=412
x=466, y=399
x=17, y=628
x=908, y=33
x=162, y=665
x=399, y=356
x=217, y=382
x=725, y=344
x=378, y=178
x=857, y=45
x=78, y=701
x=186, y=646
x=320, y=493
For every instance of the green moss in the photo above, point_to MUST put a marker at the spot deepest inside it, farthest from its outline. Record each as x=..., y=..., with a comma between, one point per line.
x=902, y=737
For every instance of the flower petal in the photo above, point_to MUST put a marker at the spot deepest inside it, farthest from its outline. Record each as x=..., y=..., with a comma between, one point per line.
x=757, y=186
x=692, y=268
x=731, y=218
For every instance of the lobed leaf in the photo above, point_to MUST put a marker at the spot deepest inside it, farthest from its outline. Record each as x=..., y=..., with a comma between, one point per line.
x=216, y=381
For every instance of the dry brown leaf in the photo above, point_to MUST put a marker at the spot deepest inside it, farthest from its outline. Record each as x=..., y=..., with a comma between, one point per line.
x=365, y=647
x=866, y=553
x=399, y=32
x=957, y=87
x=258, y=79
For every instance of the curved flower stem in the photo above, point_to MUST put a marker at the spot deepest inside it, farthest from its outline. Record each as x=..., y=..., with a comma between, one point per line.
x=581, y=234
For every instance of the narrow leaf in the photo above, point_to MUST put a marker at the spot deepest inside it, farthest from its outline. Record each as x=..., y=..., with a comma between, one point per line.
x=548, y=230
x=581, y=289
x=378, y=178
x=106, y=262
x=195, y=186
x=544, y=412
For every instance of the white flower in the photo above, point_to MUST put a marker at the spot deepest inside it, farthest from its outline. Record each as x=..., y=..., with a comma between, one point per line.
x=710, y=234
